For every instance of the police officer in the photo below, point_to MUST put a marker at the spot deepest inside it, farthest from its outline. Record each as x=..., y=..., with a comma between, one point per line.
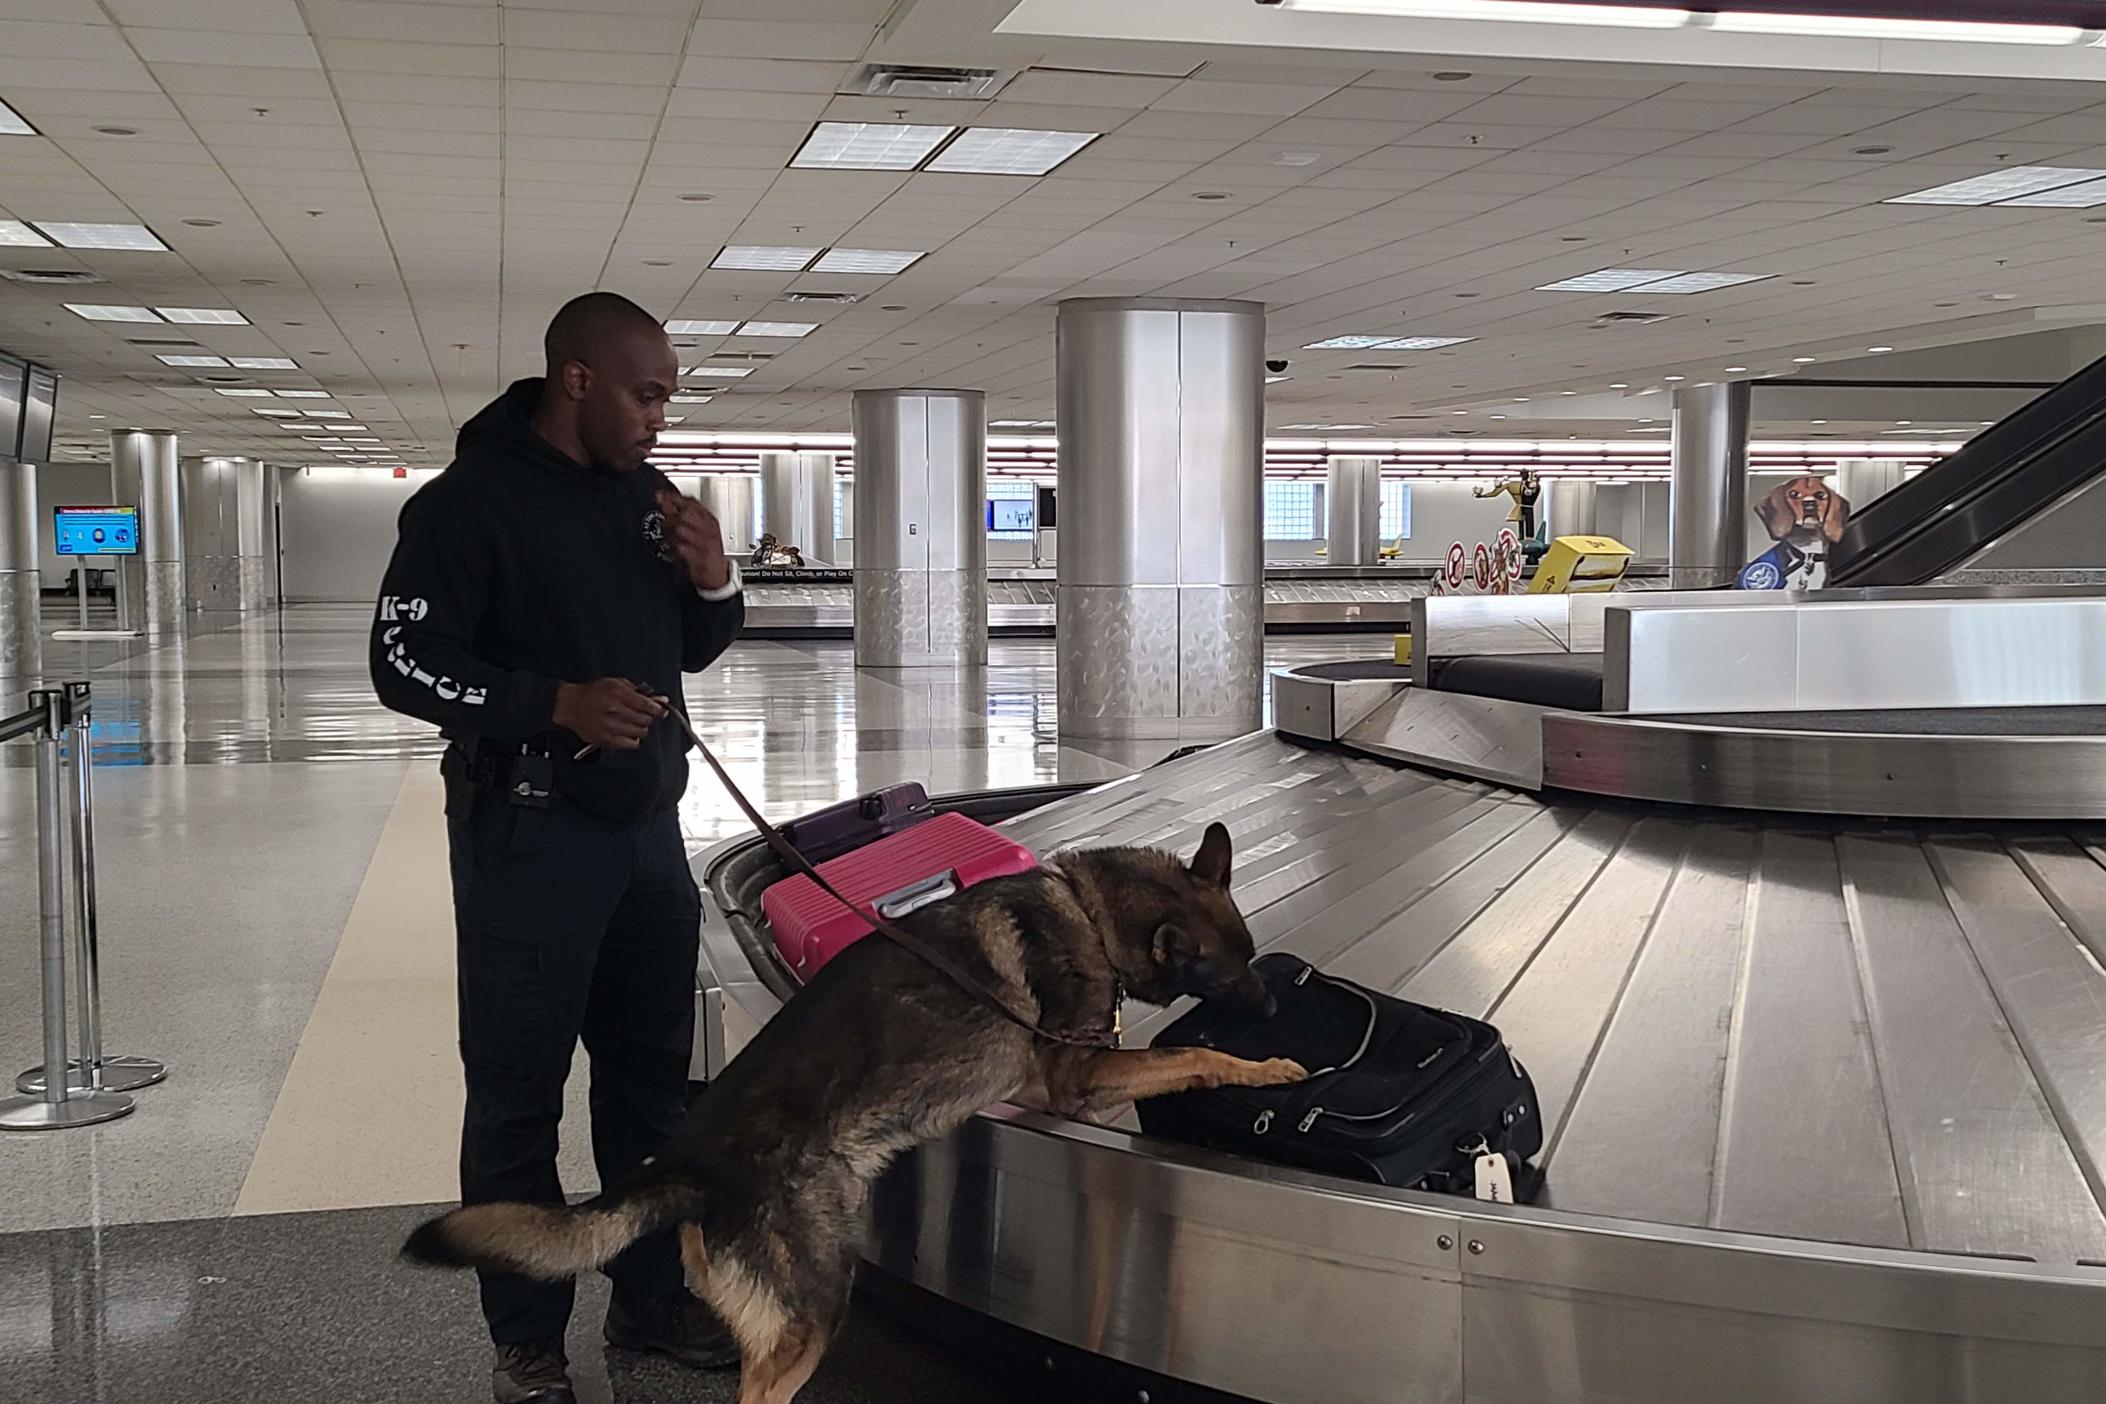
x=547, y=592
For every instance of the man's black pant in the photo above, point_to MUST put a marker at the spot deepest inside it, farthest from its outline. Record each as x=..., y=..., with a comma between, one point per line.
x=568, y=926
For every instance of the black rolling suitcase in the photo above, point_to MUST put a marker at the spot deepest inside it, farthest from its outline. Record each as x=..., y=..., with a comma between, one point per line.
x=1398, y=1093
x=844, y=827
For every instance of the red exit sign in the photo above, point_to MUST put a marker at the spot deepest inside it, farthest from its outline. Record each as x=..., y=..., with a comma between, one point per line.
x=2083, y=14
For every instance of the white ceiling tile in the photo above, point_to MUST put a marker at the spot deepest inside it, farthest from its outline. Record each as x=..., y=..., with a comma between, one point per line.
x=729, y=38
x=635, y=70
x=1244, y=99
x=235, y=50
x=404, y=57
x=1060, y=87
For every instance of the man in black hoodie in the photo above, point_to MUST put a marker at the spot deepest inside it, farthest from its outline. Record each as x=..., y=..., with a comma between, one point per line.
x=548, y=591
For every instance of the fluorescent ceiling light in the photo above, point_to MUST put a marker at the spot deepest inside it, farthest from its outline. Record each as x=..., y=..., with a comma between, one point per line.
x=1612, y=280
x=1651, y=280
x=193, y=361
x=14, y=234
x=766, y=258
x=244, y=394
x=263, y=362
x=323, y=428
x=281, y=414
x=686, y=326
x=866, y=260
x=1524, y=11
x=205, y=316
x=1008, y=151
x=1386, y=343
x=719, y=372
x=692, y=399
x=778, y=329
x=98, y=312
x=2087, y=196
x=316, y=414
x=302, y=394
x=1868, y=27
x=102, y=236
x=13, y=123
x=1700, y=282
x=868, y=146
x=1999, y=186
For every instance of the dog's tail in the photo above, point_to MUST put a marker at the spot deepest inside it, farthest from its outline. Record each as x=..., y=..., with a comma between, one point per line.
x=552, y=1241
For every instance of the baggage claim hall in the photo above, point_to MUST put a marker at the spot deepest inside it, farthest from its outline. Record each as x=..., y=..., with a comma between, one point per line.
x=1595, y=506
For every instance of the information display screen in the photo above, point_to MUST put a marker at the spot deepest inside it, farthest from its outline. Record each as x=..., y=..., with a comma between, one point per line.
x=97, y=531
x=1011, y=514
x=11, y=391
x=39, y=411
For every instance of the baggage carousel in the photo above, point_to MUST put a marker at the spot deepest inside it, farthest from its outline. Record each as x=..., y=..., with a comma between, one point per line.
x=1824, y=1092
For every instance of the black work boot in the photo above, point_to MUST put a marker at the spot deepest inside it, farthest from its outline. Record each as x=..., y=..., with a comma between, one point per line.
x=676, y=1325
x=534, y=1372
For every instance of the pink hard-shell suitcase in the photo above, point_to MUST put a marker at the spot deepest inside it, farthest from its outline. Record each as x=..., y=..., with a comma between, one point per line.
x=897, y=875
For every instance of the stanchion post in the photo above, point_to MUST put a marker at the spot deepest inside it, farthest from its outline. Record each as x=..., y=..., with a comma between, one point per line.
x=59, y=1105
x=92, y=1071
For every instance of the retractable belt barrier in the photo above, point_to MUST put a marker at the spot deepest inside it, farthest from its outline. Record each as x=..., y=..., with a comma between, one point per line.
x=90, y=1087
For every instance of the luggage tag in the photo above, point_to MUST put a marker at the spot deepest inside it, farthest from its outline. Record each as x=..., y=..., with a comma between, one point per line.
x=1495, y=1178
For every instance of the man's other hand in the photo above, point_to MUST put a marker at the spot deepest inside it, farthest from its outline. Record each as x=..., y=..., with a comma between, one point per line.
x=611, y=712
x=696, y=539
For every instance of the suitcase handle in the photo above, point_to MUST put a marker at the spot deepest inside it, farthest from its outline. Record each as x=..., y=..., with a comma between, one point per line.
x=916, y=895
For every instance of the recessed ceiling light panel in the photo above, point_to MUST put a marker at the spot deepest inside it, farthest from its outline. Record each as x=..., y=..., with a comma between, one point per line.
x=1699, y=282
x=134, y=237
x=204, y=316
x=1997, y=187
x=13, y=123
x=244, y=394
x=778, y=328
x=718, y=372
x=687, y=326
x=765, y=258
x=14, y=234
x=193, y=362
x=1612, y=280
x=1008, y=151
x=880, y=261
x=277, y=413
x=99, y=312
x=263, y=362
x=302, y=394
x=868, y=146
x=2089, y=195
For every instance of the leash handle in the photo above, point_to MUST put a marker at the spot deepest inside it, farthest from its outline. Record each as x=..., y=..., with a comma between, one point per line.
x=915, y=945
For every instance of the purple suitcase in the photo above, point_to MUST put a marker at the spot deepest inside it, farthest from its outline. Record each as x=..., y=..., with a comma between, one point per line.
x=843, y=827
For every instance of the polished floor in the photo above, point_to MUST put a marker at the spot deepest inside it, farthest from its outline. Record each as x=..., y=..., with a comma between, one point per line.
x=277, y=928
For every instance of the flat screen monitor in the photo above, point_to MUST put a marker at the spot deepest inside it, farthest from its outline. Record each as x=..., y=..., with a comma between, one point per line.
x=96, y=531
x=1010, y=514
x=39, y=412
x=11, y=377
x=1047, y=520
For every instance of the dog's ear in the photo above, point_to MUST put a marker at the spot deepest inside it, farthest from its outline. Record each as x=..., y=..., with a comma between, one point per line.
x=1174, y=947
x=1775, y=509
x=1211, y=863
x=1835, y=518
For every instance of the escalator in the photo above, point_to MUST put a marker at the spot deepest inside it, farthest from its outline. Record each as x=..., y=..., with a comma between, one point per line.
x=2006, y=476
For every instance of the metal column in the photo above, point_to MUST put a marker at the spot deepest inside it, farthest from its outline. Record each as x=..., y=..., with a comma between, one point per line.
x=797, y=502
x=921, y=533
x=211, y=517
x=143, y=474
x=733, y=499
x=1353, y=511
x=1161, y=606
x=255, y=535
x=1572, y=509
x=1707, y=538
x=21, y=645
x=1864, y=481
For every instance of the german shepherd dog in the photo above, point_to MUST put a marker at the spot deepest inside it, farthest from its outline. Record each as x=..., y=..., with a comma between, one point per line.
x=880, y=1053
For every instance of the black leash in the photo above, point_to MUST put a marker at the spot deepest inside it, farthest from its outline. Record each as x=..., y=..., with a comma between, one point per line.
x=929, y=955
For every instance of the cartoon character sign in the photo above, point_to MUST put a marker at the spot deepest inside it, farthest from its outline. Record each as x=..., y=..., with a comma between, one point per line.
x=1804, y=517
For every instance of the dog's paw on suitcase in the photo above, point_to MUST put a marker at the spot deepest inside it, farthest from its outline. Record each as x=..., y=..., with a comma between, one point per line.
x=1276, y=1072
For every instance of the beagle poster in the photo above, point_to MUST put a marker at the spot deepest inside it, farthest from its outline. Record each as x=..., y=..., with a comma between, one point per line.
x=1804, y=517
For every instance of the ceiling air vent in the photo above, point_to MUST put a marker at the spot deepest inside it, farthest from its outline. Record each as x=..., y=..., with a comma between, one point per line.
x=164, y=342
x=837, y=298
x=1377, y=366
x=913, y=80
x=742, y=355
x=51, y=277
x=1628, y=319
